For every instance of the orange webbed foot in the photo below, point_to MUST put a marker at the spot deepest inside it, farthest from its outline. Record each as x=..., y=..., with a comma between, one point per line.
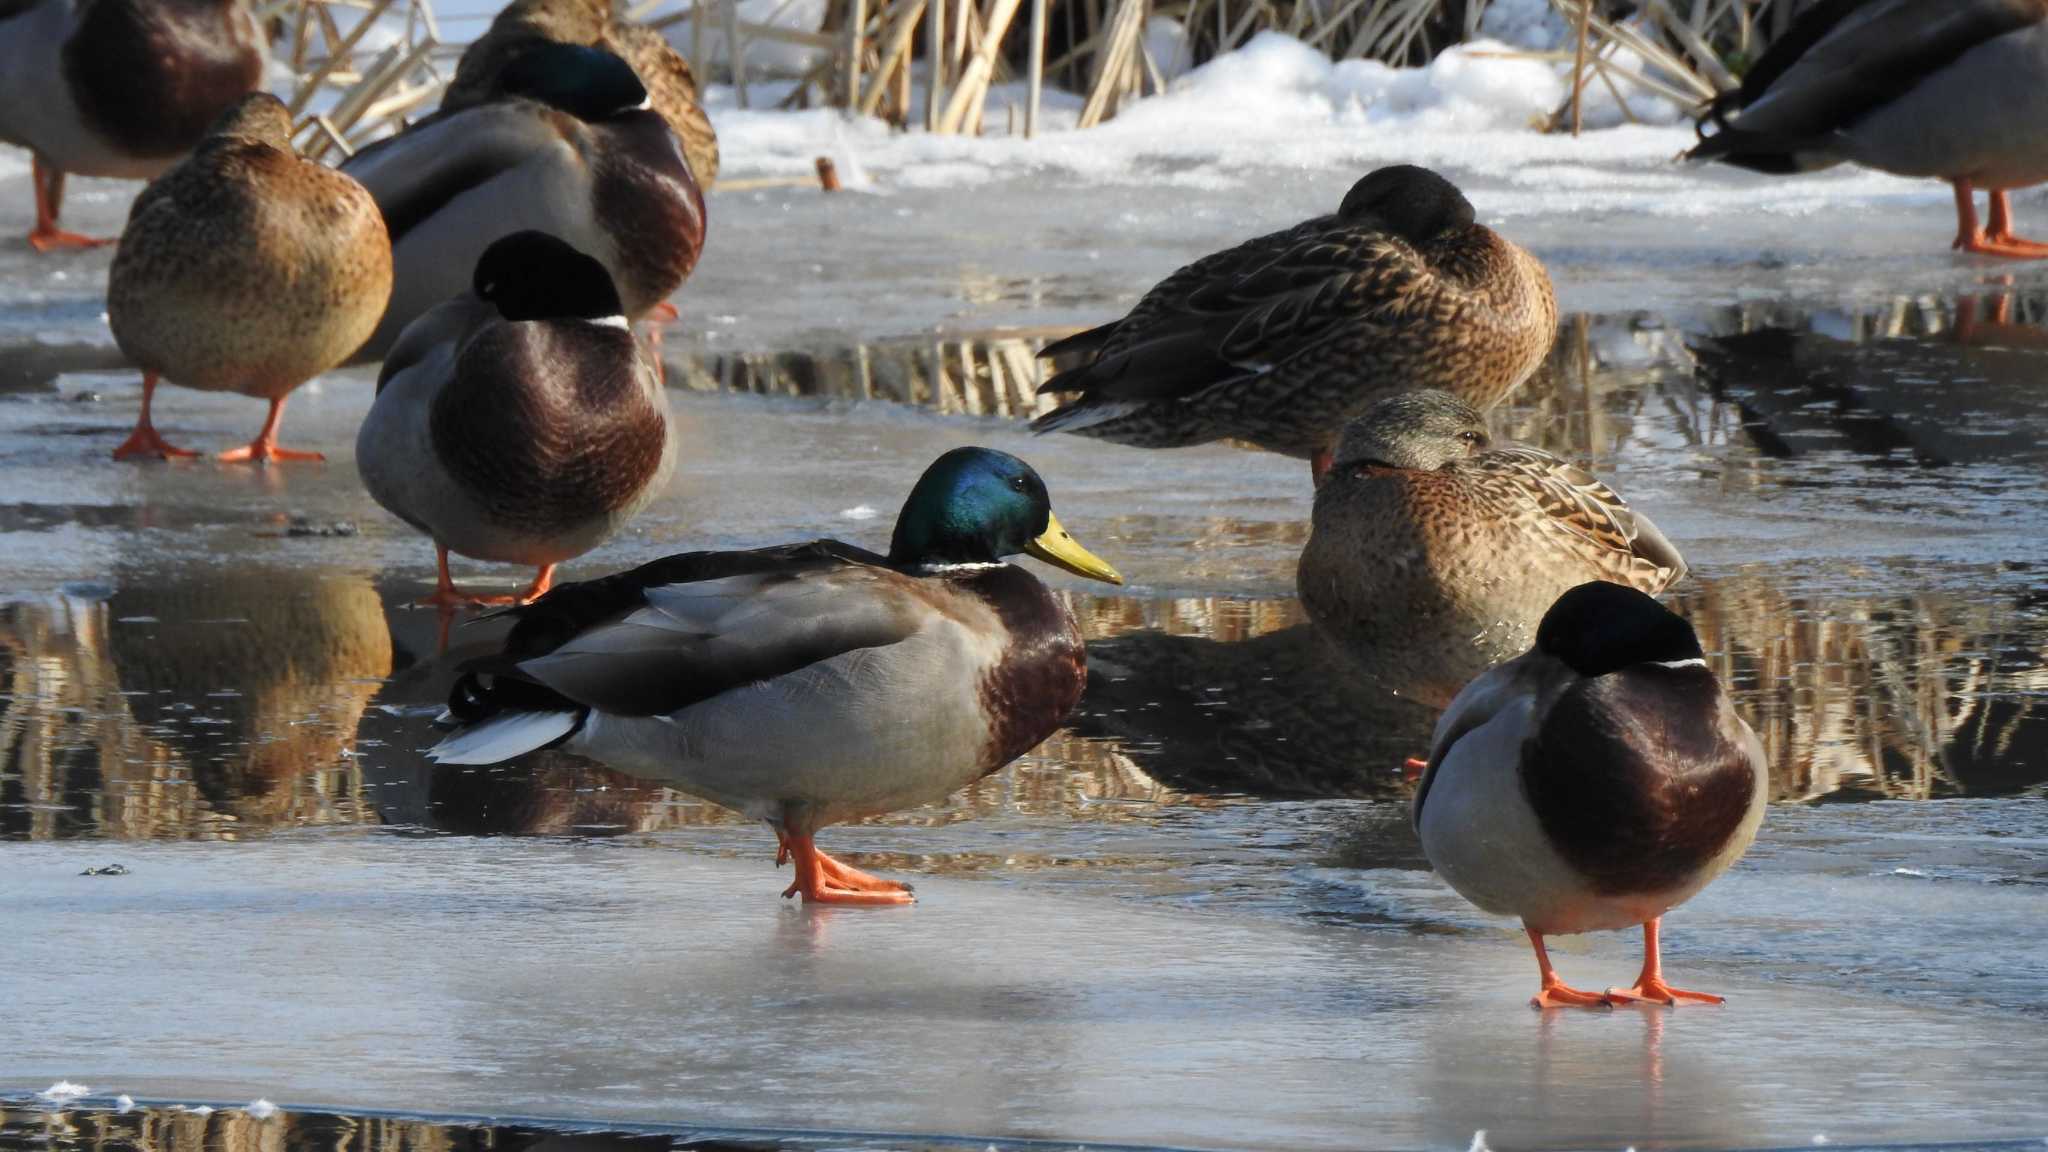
x=52, y=239
x=1656, y=991
x=262, y=452
x=452, y=599
x=2005, y=246
x=1558, y=994
x=145, y=441
x=822, y=880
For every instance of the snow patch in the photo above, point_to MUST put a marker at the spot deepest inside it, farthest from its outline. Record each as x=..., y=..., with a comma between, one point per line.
x=63, y=1092
x=260, y=1109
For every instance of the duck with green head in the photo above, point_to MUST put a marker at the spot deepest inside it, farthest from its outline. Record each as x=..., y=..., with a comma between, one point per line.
x=809, y=684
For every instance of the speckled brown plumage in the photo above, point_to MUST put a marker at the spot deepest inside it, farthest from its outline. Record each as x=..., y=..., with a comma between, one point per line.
x=1427, y=576
x=246, y=268
x=670, y=86
x=150, y=75
x=1281, y=339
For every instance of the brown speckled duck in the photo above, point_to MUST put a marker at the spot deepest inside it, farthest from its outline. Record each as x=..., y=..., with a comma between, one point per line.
x=118, y=88
x=810, y=684
x=1434, y=554
x=1281, y=339
x=670, y=86
x=246, y=269
x=518, y=422
x=566, y=146
x=1595, y=782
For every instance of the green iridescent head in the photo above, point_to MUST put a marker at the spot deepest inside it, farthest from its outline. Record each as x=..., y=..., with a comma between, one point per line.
x=977, y=506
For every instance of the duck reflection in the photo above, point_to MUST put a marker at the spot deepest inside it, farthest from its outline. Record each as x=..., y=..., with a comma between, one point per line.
x=191, y=704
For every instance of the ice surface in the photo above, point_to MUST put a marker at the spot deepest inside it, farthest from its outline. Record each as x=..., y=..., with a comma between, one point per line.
x=631, y=981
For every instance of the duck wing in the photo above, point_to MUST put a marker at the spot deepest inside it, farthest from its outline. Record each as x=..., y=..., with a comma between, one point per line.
x=1842, y=60
x=446, y=326
x=1573, y=500
x=683, y=629
x=416, y=173
x=1257, y=305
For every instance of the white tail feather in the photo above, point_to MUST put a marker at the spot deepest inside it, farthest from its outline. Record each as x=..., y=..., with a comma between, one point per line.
x=1082, y=415
x=502, y=737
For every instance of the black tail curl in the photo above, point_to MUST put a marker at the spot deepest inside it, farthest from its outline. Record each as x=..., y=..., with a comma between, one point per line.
x=494, y=685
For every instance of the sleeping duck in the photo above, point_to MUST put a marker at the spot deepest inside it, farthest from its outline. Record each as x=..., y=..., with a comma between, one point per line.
x=1433, y=553
x=246, y=269
x=518, y=422
x=808, y=684
x=671, y=89
x=1955, y=89
x=118, y=88
x=1595, y=782
x=1283, y=338
x=569, y=148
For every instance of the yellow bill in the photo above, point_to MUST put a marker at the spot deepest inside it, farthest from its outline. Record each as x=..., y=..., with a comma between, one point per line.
x=1060, y=550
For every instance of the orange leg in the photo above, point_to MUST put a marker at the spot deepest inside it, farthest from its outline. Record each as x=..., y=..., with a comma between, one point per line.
x=46, y=235
x=1650, y=984
x=264, y=447
x=822, y=880
x=657, y=316
x=1412, y=769
x=542, y=581
x=1555, y=993
x=1319, y=464
x=1998, y=239
x=144, y=441
x=446, y=596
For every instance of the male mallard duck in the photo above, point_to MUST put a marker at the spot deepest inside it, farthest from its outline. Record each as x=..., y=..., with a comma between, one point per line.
x=567, y=148
x=1949, y=88
x=670, y=86
x=1281, y=339
x=247, y=269
x=1595, y=782
x=118, y=88
x=812, y=683
x=1433, y=554
x=518, y=422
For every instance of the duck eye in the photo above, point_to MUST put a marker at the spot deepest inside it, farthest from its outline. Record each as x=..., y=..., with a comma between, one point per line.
x=1473, y=438
x=1017, y=482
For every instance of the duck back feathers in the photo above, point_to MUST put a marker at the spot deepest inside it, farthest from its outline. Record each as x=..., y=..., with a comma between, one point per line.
x=150, y=75
x=549, y=423
x=1842, y=61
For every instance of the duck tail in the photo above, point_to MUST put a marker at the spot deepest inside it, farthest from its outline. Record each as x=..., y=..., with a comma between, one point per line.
x=1081, y=414
x=498, y=714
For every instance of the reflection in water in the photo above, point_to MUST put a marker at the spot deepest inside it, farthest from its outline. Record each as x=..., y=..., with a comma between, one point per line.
x=208, y=703
x=176, y=1128
x=191, y=706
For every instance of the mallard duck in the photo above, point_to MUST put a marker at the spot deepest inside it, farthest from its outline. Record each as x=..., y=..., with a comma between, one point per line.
x=1949, y=88
x=518, y=422
x=812, y=683
x=117, y=88
x=1433, y=553
x=1281, y=339
x=1596, y=782
x=670, y=86
x=247, y=269
x=567, y=147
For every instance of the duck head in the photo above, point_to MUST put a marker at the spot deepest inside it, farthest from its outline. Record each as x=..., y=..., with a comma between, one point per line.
x=1598, y=627
x=535, y=276
x=258, y=117
x=590, y=84
x=1413, y=203
x=977, y=506
x=1422, y=431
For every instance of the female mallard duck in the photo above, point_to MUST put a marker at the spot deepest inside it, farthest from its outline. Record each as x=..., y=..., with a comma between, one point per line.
x=1949, y=88
x=246, y=269
x=1281, y=339
x=118, y=88
x=518, y=422
x=808, y=684
x=567, y=148
x=1595, y=782
x=672, y=90
x=1433, y=554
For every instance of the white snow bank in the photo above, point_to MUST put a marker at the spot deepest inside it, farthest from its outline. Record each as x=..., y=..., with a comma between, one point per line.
x=1277, y=104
